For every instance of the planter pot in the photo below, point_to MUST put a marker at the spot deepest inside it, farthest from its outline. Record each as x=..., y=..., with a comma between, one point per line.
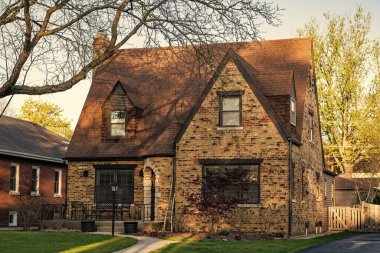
x=88, y=226
x=130, y=227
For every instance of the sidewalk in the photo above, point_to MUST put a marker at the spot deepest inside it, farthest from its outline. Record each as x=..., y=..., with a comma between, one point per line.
x=310, y=236
x=144, y=245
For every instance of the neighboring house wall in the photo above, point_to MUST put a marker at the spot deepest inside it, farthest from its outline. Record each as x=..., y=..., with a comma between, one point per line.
x=46, y=183
x=258, y=138
x=346, y=197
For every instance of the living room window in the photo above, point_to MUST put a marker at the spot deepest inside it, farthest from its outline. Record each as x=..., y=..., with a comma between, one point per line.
x=293, y=117
x=14, y=178
x=57, y=182
x=35, y=181
x=239, y=182
x=122, y=177
x=118, y=123
x=230, y=108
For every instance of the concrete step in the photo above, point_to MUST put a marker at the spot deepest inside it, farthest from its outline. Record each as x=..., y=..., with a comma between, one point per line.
x=109, y=229
x=109, y=223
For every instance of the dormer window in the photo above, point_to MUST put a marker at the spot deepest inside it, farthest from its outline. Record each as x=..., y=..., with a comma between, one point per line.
x=230, y=108
x=293, y=117
x=118, y=123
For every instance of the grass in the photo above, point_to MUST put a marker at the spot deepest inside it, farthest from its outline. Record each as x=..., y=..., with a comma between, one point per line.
x=67, y=242
x=272, y=246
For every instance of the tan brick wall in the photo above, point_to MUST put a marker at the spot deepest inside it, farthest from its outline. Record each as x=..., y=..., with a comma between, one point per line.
x=82, y=188
x=308, y=207
x=259, y=138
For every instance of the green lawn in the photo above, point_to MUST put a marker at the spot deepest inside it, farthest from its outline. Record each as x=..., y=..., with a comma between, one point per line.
x=272, y=246
x=68, y=242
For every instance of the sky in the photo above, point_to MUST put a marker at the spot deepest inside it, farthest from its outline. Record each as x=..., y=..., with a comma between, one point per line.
x=295, y=14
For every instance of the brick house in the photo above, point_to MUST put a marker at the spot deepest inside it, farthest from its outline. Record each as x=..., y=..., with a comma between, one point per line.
x=30, y=165
x=156, y=119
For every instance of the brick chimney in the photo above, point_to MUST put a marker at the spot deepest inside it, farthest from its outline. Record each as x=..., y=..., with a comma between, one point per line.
x=100, y=44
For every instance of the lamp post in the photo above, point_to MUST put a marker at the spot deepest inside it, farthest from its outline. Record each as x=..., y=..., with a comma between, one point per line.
x=114, y=190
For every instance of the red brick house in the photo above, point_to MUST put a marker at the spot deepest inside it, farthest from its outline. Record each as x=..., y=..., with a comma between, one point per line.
x=30, y=165
x=156, y=119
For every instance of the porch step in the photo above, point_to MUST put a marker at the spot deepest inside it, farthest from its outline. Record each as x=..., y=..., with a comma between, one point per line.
x=109, y=229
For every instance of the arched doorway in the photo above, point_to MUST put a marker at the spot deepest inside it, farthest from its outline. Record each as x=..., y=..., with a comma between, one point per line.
x=150, y=194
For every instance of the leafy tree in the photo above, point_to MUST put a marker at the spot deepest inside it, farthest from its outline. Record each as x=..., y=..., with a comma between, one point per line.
x=47, y=115
x=54, y=38
x=344, y=69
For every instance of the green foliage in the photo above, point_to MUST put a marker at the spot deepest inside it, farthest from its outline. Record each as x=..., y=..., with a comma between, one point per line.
x=261, y=246
x=46, y=114
x=49, y=242
x=344, y=59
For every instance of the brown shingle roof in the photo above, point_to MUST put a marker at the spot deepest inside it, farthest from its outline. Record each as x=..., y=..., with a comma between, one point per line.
x=168, y=82
x=25, y=139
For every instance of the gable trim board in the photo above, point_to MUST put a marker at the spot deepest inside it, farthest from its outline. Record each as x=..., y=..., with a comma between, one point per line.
x=242, y=65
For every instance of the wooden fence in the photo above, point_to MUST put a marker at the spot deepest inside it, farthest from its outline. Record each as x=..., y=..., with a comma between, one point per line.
x=365, y=218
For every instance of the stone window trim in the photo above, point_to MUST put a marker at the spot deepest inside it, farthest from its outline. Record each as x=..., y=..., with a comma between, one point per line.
x=12, y=218
x=14, y=180
x=229, y=94
x=35, y=181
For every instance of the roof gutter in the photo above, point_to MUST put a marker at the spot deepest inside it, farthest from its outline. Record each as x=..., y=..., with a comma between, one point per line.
x=31, y=156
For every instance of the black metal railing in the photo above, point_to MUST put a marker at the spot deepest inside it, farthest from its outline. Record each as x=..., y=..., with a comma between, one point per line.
x=98, y=211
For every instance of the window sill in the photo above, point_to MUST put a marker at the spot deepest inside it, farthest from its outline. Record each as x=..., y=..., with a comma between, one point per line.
x=303, y=201
x=248, y=205
x=14, y=193
x=229, y=128
x=57, y=196
x=35, y=194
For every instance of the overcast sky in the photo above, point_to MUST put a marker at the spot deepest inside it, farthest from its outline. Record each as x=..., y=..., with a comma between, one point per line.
x=295, y=14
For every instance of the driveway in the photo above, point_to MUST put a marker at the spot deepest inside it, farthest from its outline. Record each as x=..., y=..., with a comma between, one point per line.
x=358, y=244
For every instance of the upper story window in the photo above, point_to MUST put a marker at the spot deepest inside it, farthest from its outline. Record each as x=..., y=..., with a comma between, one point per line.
x=293, y=117
x=311, y=126
x=230, y=110
x=14, y=178
x=118, y=123
x=35, y=181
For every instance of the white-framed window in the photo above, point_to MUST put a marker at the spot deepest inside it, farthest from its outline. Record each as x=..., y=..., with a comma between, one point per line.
x=293, y=117
x=118, y=123
x=14, y=178
x=311, y=122
x=57, y=182
x=35, y=181
x=12, y=218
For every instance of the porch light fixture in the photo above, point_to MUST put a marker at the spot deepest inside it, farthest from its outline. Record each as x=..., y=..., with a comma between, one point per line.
x=114, y=187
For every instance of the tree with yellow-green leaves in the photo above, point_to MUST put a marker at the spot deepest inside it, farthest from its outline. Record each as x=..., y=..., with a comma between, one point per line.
x=348, y=87
x=46, y=114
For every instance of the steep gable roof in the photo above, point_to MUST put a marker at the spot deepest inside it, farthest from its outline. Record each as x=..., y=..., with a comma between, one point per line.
x=169, y=82
x=25, y=139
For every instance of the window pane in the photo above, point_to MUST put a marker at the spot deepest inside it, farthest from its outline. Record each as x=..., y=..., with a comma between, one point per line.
x=293, y=105
x=231, y=103
x=118, y=117
x=231, y=119
x=13, y=171
x=118, y=129
x=56, y=182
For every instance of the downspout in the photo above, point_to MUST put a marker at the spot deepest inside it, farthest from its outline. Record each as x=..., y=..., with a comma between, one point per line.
x=290, y=177
x=66, y=185
x=171, y=195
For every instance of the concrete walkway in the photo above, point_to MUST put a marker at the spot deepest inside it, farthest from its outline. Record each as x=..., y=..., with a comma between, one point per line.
x=145, y=244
